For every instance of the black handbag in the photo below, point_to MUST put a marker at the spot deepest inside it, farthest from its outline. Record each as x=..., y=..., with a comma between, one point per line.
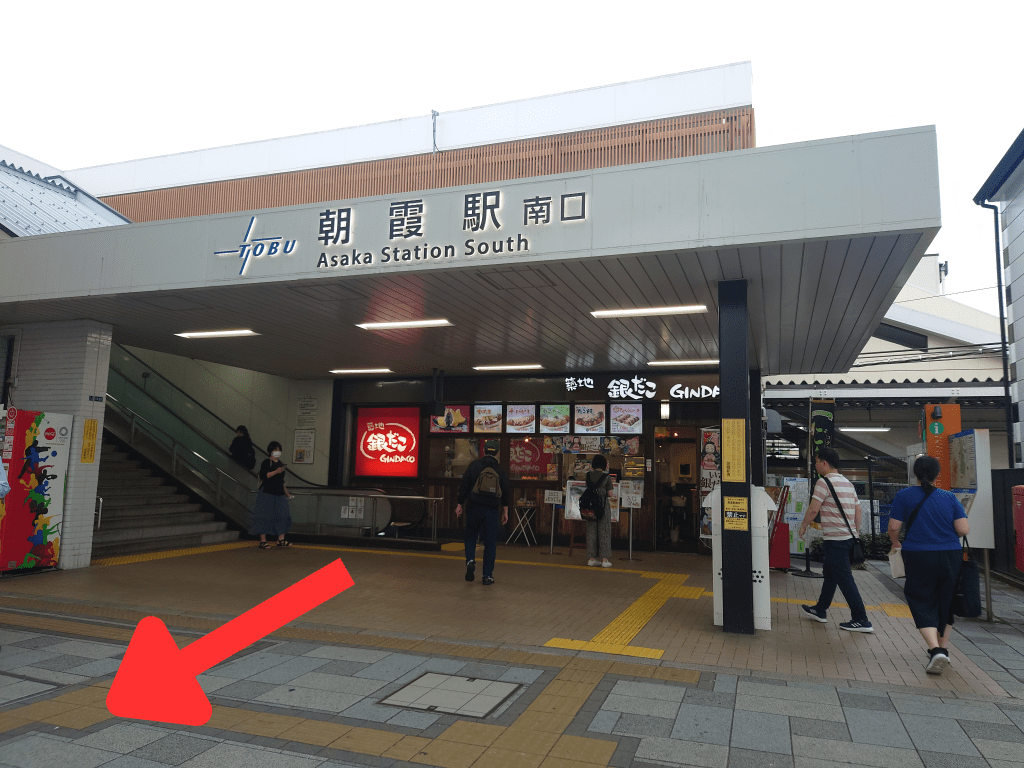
x=967, y=595
x=857, y=555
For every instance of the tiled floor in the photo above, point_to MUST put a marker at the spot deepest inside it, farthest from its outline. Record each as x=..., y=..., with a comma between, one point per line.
x=320, y=692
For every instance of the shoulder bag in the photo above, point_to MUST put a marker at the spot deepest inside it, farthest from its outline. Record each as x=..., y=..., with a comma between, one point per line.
x=967, y=595
x=857, y=550
x=896, y=556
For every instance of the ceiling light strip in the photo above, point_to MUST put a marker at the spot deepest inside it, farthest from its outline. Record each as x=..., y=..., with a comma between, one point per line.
x=682, y=362
x=361, y=370
x=404, y=324
x=216, y=334
x=529, y=367
x=651, y=311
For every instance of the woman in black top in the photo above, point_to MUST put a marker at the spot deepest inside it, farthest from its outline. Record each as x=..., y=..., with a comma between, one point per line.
x=270, y=514
x=241, y=448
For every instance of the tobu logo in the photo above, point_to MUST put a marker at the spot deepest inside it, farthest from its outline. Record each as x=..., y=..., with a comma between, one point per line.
x=388, y=443
x=50, y=433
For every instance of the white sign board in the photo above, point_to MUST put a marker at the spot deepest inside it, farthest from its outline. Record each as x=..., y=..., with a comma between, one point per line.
x=970, y=472
x=630, y=494
x=553, y=497
x=303, y=446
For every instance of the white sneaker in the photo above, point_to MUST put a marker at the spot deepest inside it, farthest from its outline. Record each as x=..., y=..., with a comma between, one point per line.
x=606, y=563
x=937, y=662
x=592, y=562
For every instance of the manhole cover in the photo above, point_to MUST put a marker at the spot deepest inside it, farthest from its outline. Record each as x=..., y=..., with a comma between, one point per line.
x=452, y=695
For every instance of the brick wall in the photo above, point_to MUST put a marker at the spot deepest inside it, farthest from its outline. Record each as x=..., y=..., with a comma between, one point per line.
x=58, y=366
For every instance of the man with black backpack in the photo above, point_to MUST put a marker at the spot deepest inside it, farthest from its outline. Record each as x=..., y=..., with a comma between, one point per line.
x=484, y=491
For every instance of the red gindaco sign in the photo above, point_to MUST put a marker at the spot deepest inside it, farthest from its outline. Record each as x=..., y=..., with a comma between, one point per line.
x=388, y=442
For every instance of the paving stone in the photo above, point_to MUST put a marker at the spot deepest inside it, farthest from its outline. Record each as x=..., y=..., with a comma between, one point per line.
x=35, y=751
x=174, y=749
x=249, y=665
x=710, y=698
x=993, y=732
x=13, y=636
x=38, y=642
x=97, y=668
x=938, y=734
x=951, y=709
x=346, y=668
x=49, y=675
x=643, y=725
x=819, y=729
x=682, y=752
x=1013, y=713
x=340, y=653
x=635, y=705
x=787, y=707
x=747, y=758
x=21, y=689
x=485, y=671
x=999, y=750
x=367, y=710
x=337, y=683
x=417, y=720
x=811, y=752
x=309, y=698
x=654, y=691
x=294, y=667
x=294, y=648
x=392, y=667
x=130, y=761
x=228, y=754
x=942, y=760
x=13, y=658
x=516, y=675
x=709, y=725
x=88, y=649
x=865, y=701
x=792, y=693
x=869, y=726
x=123, y=737
x=604, y=721
x=246, y=690
x=61, y=663
x=725, y=683
x=761, y=732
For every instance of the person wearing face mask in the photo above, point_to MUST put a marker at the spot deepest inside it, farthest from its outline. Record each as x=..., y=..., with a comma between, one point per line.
x=270, y=514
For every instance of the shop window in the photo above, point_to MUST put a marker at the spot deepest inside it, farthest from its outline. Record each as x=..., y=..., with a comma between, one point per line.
x=527, y=460
x=450, y=456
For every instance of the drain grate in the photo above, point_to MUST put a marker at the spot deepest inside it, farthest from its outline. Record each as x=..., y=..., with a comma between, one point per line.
x=453, y=695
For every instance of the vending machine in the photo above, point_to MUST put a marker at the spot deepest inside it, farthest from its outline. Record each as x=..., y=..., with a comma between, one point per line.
x=35, y=455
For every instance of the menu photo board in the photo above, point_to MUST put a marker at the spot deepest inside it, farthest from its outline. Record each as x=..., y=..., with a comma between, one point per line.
x=455, y=419
x=554, y=419
x=590, y=419
x=626, y=419
x=521, y=419
x=487, y=418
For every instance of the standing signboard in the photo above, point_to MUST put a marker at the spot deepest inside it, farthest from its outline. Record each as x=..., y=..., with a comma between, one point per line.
x=970, y=465
x=940, y=422
x=35, y=454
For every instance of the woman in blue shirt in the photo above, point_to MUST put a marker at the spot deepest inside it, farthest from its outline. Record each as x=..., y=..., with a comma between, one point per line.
x=932, y=556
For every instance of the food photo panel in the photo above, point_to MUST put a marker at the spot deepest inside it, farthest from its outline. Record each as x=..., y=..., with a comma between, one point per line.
x=626, y=419
x=554, y=419
x=487, y=418
x=590, y=419
x=521, y=419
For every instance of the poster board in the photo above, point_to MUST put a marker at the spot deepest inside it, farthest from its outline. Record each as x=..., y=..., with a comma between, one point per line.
x=303, y=446
x=970, y=472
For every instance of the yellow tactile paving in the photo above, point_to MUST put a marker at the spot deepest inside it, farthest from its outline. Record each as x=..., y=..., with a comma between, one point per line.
x=448, y=754
x=494, y=757
x=896, y=610
x=584, y=750
x=479, y=734
x=146, y=557
x=407, y=748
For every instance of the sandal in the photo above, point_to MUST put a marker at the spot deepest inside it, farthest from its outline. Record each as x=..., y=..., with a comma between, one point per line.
x=264, y=545
x=284, y=543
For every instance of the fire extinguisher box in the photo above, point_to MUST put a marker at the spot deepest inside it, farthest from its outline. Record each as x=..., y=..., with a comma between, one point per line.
x=1018, y=525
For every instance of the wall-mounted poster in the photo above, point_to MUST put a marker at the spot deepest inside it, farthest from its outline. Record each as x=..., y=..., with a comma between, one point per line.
x=388, y=442
x=574, y=489
x=626, y=419
x=521, y=419
x=455, y=419
x=710, y=459
x=590, y=419
x=303, y=446
x=487, y=418
x=554, y=419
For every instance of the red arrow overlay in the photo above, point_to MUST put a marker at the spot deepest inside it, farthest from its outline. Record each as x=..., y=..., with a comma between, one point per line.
x=157, y=681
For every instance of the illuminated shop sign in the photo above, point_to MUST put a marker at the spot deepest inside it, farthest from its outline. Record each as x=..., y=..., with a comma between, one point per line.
x=483, y=215
x=639, y=388
x=388, y=442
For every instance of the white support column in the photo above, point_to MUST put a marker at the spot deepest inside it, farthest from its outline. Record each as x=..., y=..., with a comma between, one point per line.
x=58, y=367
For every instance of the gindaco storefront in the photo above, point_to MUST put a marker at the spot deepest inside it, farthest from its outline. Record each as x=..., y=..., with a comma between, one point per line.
x=398, y=438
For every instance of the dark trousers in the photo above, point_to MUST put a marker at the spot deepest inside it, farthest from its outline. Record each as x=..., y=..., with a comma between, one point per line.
x=837, y=573
x=483, y=523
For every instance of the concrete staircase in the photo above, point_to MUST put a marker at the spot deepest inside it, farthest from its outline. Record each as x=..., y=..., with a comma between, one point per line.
x=144, y=512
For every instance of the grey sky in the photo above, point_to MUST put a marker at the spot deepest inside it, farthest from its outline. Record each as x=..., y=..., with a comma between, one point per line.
x=92, y=83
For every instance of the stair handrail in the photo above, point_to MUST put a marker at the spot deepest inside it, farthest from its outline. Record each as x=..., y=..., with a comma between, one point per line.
x=195, y=429
x=175, y=443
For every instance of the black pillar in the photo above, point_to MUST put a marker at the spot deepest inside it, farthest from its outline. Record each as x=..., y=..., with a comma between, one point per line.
x=737, y=557
x=758, y=458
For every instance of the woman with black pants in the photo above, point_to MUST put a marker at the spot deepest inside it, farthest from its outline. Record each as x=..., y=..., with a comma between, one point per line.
x=932, y=556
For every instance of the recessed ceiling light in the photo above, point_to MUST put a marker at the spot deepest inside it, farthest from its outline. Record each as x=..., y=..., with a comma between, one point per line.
x=683, y=362
x=361, y=370
x=403, y=324
x=864, y=429
x=531, y=367
x=216, y=334
x=646, y=311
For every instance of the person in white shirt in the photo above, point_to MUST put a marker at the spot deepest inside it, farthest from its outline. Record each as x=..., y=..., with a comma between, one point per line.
x=838, y=542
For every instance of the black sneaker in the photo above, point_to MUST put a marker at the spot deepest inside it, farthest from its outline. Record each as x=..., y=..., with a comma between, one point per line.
x=488, y=580
x=938, y=660
x=857, y=626
x=812, y=613
x=470, y=570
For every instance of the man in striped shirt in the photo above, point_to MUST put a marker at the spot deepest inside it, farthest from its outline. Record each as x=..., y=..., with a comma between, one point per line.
x=838, y=541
